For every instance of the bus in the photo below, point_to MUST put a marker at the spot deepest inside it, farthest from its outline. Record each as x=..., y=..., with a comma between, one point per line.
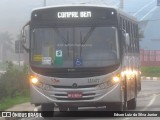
x=83, y=56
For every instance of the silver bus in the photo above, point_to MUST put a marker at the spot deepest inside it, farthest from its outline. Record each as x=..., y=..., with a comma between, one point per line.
x=82, y=56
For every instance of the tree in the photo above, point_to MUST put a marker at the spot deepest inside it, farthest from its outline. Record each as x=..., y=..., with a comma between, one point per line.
x=14, y=81
x=6, y=44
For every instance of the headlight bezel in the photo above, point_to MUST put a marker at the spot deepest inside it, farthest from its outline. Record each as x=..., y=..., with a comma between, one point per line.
x=115, y=79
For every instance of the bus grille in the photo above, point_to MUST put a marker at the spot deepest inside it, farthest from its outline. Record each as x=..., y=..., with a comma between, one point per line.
x=89, y=92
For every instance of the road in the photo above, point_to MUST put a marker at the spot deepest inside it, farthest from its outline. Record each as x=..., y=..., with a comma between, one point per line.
x=148, y=100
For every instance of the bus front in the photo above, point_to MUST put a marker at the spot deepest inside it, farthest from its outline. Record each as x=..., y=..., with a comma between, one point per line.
x=75, y=58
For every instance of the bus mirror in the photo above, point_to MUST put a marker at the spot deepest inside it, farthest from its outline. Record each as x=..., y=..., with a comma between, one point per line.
x=24, y=31
x=127, y=39
x=25, y=36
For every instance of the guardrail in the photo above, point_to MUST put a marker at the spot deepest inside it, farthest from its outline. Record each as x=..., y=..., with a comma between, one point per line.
x=150, y=78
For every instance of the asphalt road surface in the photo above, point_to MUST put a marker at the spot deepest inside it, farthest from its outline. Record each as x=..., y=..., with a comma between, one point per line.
x=148, y=100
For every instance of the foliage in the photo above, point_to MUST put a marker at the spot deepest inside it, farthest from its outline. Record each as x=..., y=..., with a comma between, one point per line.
x=6, y=38
x=6, y=41
x=10, y=102
x=150, y=71
x=14, y=82
x=2, y=66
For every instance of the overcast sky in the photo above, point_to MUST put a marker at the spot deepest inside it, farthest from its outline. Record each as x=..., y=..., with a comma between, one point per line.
x=14, y=13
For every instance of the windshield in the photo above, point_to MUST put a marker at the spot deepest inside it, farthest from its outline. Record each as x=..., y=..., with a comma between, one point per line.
x=74, y=47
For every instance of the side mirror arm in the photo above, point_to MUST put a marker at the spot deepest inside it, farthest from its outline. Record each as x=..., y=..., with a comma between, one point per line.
x=23, y=37
x=26, y=49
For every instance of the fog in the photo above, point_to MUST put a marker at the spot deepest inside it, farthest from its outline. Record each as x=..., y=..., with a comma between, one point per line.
x=15, y=13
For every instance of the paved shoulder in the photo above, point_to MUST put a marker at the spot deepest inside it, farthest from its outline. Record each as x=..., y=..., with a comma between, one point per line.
x=22, y=107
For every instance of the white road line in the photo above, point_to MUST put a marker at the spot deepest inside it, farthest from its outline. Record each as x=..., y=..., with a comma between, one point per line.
x=143, y=8
x=126, y=118
x=148, y=13
x=150, y=103
x=35, y=109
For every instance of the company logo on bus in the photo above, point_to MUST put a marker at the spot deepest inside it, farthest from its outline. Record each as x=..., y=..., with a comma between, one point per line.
x=71, y=70
x=74, y=85
x=81, y=14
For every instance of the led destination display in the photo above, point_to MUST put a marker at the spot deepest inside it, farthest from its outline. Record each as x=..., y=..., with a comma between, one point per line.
x=76, y=14
x=81, y=14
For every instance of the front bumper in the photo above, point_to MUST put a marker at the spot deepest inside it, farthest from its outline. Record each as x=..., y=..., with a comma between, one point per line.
x=92, y=96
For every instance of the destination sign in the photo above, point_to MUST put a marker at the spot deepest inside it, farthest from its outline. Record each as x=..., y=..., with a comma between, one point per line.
x=74, y=15
x=81, y=14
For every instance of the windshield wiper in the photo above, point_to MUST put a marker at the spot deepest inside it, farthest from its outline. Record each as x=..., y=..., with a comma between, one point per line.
x=88, y=35
x=83, y=41
x=66, y=42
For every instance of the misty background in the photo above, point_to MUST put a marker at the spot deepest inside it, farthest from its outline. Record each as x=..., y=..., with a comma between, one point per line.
x=15, y=13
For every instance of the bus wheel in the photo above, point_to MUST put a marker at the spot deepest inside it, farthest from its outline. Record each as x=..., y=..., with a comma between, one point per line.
x=49, y=108
x=63, y=108
x=131, y=104
x=73, y=108
x=115, y=107
x=125, y=107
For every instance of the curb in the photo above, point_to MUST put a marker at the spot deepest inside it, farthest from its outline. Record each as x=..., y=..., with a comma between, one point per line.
x=2, y=118
x=150, y=78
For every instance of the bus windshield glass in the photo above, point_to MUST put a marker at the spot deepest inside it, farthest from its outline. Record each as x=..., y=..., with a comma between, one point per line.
x=74, y=47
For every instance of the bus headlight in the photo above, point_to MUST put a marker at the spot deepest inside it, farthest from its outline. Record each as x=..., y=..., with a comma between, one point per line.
x=35, y=81
x=114, y=80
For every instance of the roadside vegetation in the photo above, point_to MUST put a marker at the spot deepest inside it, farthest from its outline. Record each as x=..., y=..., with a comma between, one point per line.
x=8, y=102
x=14, y=86
x=150, y=71
x=3, y=66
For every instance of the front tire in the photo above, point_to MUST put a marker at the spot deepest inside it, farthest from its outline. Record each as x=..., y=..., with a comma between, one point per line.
x=115, y=107
x=132, y=104
x=125, y=107
x=47, y=110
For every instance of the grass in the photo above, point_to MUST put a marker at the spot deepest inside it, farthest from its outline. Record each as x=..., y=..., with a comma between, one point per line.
x=3, y=66
x=150, y=71
x=10, y=102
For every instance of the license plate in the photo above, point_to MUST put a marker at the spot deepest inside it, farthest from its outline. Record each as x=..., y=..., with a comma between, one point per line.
x=75, y=95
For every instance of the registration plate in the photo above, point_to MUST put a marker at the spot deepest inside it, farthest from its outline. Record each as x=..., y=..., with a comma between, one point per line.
x=75, y=95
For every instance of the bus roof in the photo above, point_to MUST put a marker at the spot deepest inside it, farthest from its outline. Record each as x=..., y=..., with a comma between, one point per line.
x=75, y=5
